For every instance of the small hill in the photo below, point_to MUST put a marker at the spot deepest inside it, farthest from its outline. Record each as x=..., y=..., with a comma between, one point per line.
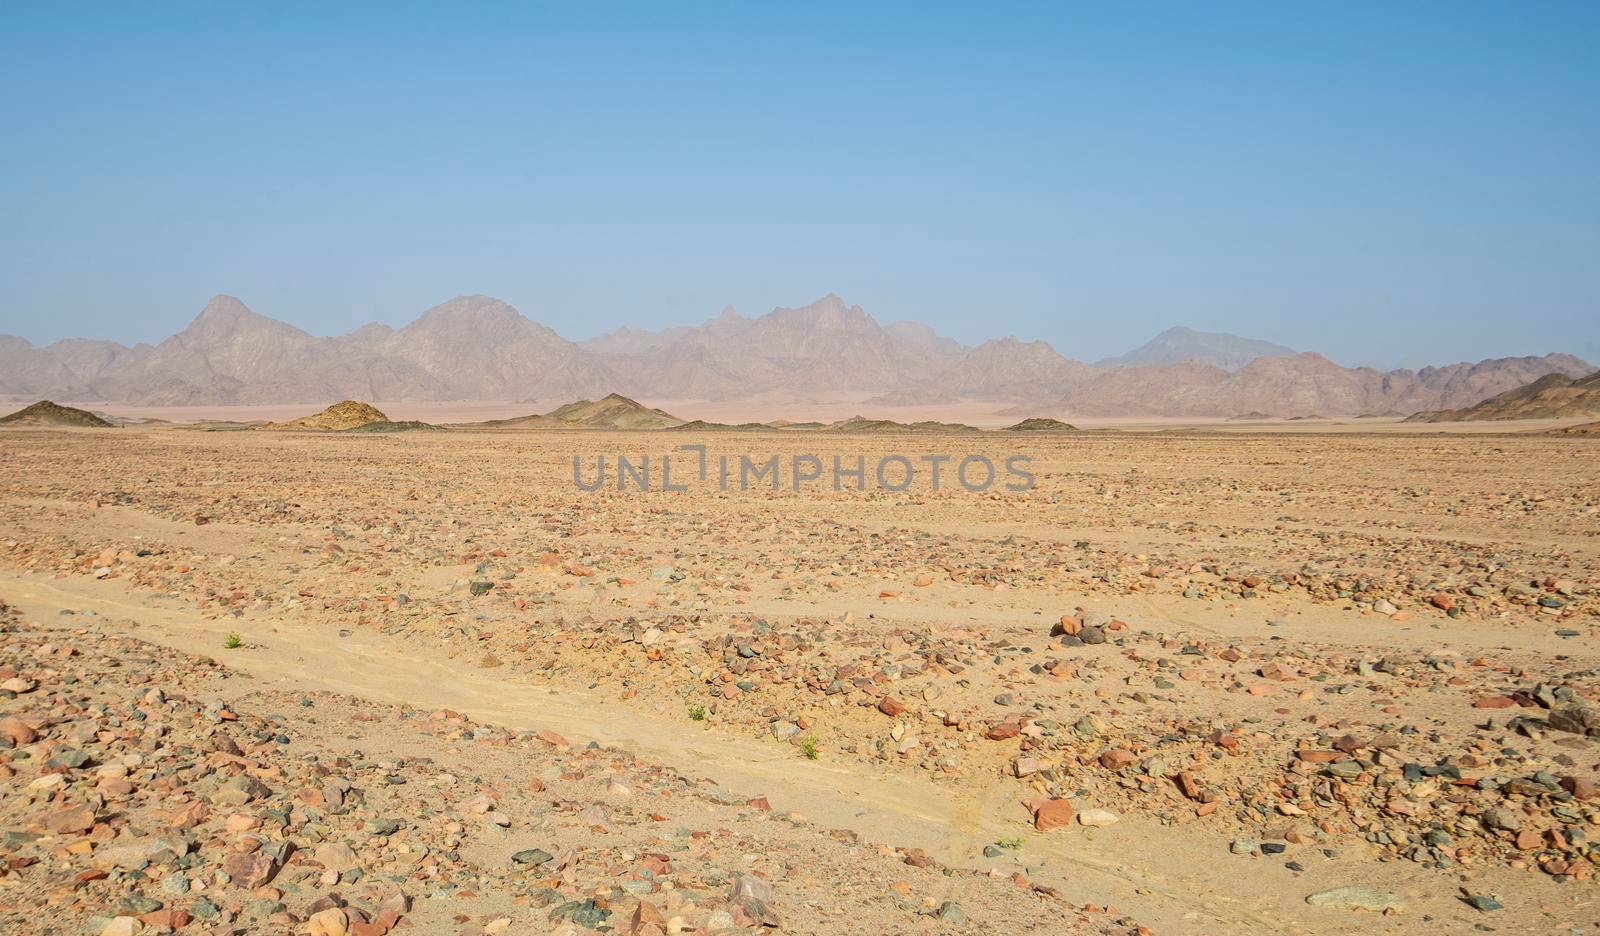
x=700, y=425
x=1553, y=396
x=46, y=413
x=1592, y=428
x=1042, y=424
x=613, y=411
x=1251, y=416
x=348, y=414
x=408, y=425
x=863, y=424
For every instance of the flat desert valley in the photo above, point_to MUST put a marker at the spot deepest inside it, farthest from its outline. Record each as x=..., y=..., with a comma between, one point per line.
x=1191, y=682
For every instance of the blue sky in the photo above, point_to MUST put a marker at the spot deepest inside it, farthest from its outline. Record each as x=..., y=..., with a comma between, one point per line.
x=1384, y=183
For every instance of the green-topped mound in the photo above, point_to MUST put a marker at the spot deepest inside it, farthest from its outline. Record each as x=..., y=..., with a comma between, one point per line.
x=863, y=424
x=700, y=425
x=405, y=425
x=46, y=413
x=613, y=411
x=1042, y=424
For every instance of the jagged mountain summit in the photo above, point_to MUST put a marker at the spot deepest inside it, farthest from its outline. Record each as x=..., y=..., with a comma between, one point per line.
x=1180, y=345
x=480, y=348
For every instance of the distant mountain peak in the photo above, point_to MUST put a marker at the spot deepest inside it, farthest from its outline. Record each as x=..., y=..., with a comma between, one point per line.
x=223, y=305
x=475, y=305
x=223, y=310
x=1180, y=344
x=830, y=310
x=225, y=316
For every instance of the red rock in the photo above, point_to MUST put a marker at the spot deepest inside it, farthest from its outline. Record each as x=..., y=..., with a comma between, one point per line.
x=169, y=918
x=1278, y=671
x=92, y=874
x=1495, y=702
x=1442, y=601
x=249, y=870
x=388, y=916
x=1581, y=788
x=889, y=706
x=1226, y=740
x=1053, y=814
x=69, y=821
x=17, y=730
x=644, y=916
x=550, y=737
x=1116, y=759
x=1001, y=731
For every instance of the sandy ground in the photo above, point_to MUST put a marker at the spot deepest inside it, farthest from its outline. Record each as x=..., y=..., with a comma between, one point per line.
x=1287, y=630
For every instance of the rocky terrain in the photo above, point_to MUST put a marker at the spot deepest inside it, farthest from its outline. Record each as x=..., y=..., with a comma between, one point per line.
x=478, y=348
x=1282, y=684
x=152, y=791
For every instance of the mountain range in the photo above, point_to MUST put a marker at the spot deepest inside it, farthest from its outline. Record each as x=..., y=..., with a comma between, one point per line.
x=479, y=348
x=1553, y=396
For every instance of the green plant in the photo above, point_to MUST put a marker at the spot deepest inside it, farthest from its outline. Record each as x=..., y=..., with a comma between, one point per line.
x=233, y=641
x=697, y=712
x=808, y=747
x=1012, y=843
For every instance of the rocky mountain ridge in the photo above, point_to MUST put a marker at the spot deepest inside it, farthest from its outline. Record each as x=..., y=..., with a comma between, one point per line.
x=480, y=348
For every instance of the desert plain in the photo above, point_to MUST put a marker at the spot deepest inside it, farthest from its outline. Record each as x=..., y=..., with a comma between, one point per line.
x=1191, y=682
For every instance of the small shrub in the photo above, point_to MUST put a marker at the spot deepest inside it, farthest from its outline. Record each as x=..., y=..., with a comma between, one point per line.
x=697, y=712
x=233, y=641
x=808, y=747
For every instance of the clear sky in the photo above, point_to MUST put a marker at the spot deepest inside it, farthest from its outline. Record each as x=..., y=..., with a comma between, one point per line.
x=1387, y=182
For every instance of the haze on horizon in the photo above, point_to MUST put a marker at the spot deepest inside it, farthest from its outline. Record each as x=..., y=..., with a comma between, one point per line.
x=1382, y=186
